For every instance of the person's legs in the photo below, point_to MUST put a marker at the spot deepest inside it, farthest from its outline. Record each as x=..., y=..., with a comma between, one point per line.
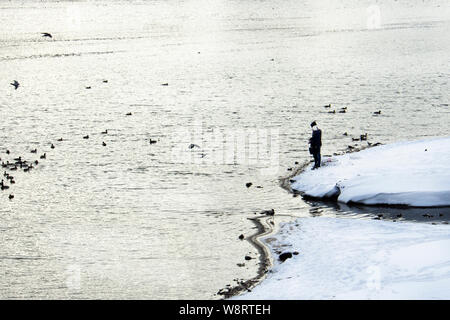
x=315, y=159
x=316, y=156
x=318, y=159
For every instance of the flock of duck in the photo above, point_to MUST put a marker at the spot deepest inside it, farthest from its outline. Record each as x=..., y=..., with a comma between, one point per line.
x=362, y=137
x=15, y=165
x=19, y=164
x=344, y=110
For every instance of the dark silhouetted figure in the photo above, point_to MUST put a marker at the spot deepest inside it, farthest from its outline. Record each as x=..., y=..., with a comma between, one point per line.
x=46, y=34
x=315, y=143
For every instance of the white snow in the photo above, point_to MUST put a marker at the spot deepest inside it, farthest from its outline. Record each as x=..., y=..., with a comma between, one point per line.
x=413, y=173
x=344, y=258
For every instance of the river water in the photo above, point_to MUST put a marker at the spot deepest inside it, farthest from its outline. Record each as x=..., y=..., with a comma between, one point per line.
x=241, y=80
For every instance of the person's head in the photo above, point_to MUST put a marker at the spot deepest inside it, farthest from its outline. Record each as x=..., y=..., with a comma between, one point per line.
x=313, y=124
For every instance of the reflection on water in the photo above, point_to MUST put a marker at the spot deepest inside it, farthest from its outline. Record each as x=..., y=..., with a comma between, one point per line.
x=138, y=220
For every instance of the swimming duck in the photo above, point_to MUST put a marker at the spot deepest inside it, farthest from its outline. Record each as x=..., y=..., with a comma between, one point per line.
x=377, y=112
x=129, y=114
x=104, y=144
x=327, y=106
x=105, y=132
x=3, y=187
x=363, y=137
x=44, y=156
x=334, y=111
x=152, y=141
x=11, y=196
x=52, y=146
x=60, y=139
x=34, y=151
x=342, y=111
x=86, y=137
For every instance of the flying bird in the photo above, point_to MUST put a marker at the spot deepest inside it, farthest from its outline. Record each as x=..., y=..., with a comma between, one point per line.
x=15, y=84
x=46, y=34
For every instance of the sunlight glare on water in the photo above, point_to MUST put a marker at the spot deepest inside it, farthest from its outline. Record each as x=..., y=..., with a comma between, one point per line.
x=138, y=220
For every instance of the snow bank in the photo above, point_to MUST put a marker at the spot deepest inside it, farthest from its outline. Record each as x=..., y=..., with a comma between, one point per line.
x=358, y=259
x=408, y=173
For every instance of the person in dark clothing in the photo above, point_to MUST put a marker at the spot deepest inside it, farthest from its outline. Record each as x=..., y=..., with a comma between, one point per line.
x=315, y=143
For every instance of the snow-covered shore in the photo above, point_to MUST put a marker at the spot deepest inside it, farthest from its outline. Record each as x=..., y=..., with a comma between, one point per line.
x=413, y=173
x=358, y=259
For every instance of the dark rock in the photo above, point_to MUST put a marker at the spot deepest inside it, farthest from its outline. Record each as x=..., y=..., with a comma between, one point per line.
x=286, y=255
x=248, y=258
x=241, y=237
x=270, y=212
